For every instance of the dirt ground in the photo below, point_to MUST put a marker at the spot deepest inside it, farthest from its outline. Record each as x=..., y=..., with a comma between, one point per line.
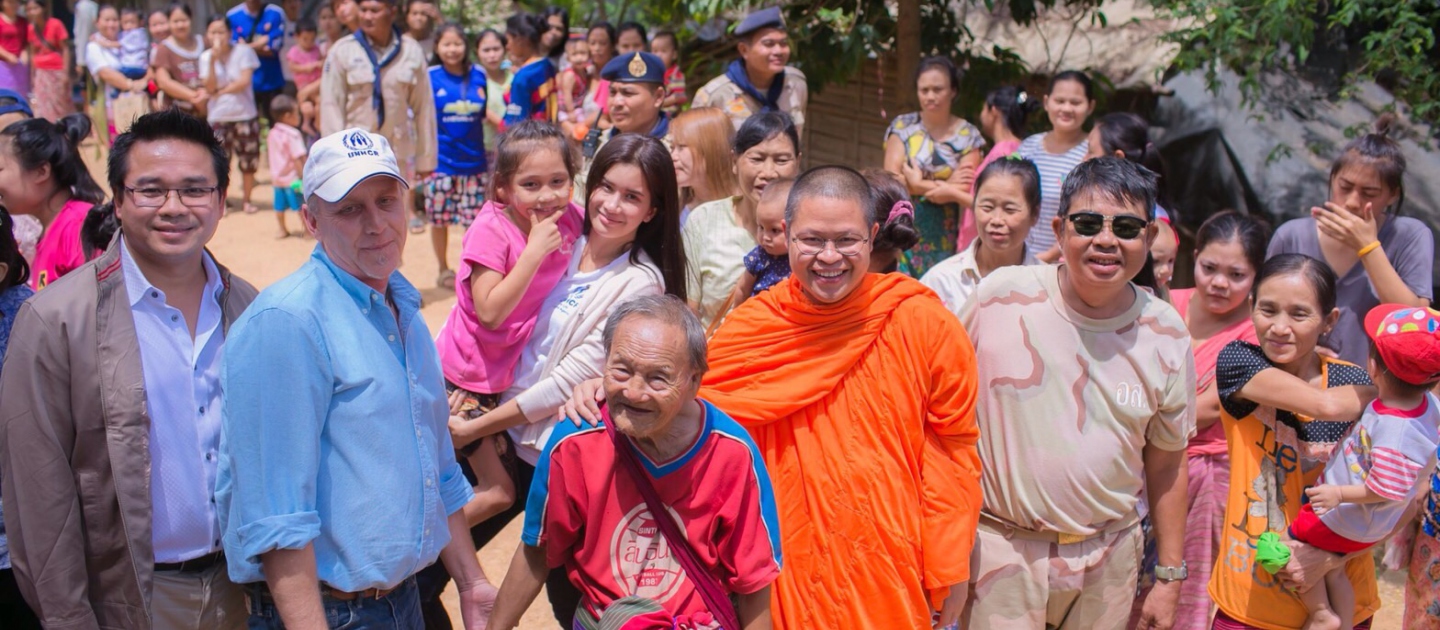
x=247, y=244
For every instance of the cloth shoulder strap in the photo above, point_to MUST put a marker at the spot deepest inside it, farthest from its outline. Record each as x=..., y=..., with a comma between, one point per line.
x=709, y=587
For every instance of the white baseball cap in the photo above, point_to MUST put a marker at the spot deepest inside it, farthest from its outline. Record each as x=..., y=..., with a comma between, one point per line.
x=340, y=161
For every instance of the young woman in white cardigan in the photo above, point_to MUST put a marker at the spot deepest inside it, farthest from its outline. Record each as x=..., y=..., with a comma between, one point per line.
x=631, y=247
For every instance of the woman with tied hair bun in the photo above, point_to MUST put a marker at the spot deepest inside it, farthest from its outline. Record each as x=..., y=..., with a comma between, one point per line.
x=1380, y=257
x=1002, y=120
x=42, y=175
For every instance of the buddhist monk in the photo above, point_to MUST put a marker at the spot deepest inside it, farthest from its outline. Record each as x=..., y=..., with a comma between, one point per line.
x=859, y=391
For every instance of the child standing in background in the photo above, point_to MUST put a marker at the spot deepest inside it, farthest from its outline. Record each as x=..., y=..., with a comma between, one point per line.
x=456, y=190
x=667, y=48
x=286, y=150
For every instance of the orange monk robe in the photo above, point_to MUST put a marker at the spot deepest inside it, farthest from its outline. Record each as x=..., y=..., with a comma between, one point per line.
x=865, y=414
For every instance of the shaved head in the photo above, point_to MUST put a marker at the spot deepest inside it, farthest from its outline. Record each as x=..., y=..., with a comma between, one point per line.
x=831, y=182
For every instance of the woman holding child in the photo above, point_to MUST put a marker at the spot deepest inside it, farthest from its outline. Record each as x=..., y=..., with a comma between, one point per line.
x=628, y=246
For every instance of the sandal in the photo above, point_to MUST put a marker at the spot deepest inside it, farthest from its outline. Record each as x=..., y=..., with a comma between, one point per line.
x=250, y=208
x=417, y=225
x=446, y=279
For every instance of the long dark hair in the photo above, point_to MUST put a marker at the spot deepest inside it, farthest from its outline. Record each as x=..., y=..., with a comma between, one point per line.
x=558, y=49
x=447, y=27
x=37, y=142
x=659, y=237
x=1014, y=106
x=19, y=271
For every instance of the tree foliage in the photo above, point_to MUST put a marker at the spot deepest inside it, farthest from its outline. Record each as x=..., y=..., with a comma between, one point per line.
x=1335, y=43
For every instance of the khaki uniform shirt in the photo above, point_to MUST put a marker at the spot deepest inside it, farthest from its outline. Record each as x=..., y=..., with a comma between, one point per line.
x=346, y=99
x=723, y=93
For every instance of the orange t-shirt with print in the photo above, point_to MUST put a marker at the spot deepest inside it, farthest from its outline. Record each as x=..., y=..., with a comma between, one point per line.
x=1274, y=456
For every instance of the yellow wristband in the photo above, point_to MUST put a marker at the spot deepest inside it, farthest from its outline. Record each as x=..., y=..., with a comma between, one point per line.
x=1368, y=248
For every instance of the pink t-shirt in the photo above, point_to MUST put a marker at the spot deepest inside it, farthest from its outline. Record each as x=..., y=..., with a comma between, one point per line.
x=297, y=56
x=1211, y=439
x=286, y=149
x=590, y=517
x=472, y=356
x=59, y=251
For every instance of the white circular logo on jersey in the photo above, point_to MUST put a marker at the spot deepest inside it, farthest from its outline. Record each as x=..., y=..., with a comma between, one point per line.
x=640, y=558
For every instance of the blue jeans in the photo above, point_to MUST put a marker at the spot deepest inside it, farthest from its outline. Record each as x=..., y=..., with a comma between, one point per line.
x=399, y=610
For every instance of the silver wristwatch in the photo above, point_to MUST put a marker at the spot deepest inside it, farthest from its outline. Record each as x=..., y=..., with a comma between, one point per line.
x=1172, y=574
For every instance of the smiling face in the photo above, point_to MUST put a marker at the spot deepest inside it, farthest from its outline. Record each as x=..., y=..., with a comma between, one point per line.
x=1103, y=263
x=107, y=23
x=620, y=203
x=540, y=187
x=648, y=378
x=773, y=159
x=829, y=276
x=1002, y=216
x=1223, y=276
x=1067, y=106
x=159, y=27
x=766, y=52
x=1288, y=319
x=451, y=48
x=174, y=233
x=935, y=92
x=363, y=233
x=554, y=32
x=635, y=107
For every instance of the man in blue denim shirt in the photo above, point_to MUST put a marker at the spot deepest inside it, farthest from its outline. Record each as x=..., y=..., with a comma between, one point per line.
x=338, y=480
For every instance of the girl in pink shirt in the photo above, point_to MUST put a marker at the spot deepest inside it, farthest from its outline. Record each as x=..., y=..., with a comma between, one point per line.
x=514, y=253
x=42, y=175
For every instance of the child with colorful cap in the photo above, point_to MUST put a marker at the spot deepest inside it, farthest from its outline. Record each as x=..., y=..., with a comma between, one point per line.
x=1372, y=476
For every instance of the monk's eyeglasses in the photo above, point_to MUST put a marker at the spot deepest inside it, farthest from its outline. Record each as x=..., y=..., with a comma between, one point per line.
x=848, y=246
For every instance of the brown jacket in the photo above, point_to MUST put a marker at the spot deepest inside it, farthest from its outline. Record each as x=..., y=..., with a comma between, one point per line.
x=75, y=449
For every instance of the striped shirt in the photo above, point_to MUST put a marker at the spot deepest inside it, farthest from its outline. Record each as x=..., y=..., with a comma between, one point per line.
x=1385, y=452
x=1053, y=169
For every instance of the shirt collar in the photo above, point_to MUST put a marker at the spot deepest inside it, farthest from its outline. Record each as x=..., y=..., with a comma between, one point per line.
x=405, y=295
x=137, y=285
x=970, y=267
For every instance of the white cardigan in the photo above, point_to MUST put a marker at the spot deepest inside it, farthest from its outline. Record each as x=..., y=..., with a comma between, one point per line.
x=579, y=354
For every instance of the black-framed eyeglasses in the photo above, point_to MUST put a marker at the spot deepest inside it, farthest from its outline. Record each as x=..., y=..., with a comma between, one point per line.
x=155, y=197
x=1124, y=227
x=848, y=246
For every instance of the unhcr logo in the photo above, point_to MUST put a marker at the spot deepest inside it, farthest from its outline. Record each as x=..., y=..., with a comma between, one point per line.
x=359, y=143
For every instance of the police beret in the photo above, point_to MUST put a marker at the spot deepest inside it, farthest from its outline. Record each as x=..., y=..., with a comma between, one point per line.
x=636, y=67
x=764, y=18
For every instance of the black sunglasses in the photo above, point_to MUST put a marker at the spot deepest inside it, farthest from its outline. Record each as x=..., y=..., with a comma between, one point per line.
x=1124, y=227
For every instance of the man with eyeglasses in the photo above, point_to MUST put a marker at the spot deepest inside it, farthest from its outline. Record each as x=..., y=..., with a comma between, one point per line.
x=1087, y=402
x=111, y=404
x=858, y=389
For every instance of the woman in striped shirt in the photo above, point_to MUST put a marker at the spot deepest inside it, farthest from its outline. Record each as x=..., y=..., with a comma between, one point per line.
x=1070, y=101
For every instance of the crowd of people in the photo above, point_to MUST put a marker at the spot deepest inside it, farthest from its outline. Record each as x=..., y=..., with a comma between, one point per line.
x=720, y=389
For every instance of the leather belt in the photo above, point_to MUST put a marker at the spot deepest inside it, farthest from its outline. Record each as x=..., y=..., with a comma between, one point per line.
x=348, y=596
x=1010, y=530
x=193, y=565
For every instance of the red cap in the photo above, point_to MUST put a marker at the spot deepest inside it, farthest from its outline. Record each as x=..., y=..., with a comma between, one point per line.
x=1408, y=341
